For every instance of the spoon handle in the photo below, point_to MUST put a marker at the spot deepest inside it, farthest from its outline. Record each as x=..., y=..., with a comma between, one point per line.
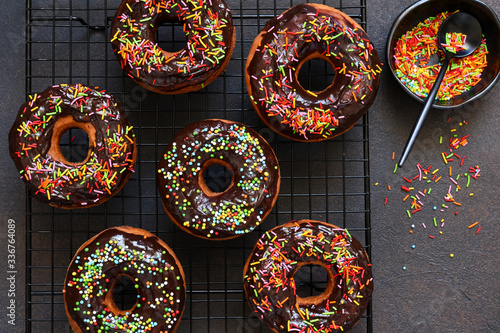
x=425, y=110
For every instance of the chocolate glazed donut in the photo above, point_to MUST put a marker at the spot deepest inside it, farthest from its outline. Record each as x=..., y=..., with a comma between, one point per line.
x=34, y=146
x=239, y=208
x=210, y=39
x=302, y=33
x=147, y=261
x=270, y=286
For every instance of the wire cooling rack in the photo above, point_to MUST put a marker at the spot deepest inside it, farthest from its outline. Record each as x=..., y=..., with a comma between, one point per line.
x=67, y=42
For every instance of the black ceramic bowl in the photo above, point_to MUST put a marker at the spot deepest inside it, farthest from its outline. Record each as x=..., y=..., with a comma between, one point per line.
x=490, y=26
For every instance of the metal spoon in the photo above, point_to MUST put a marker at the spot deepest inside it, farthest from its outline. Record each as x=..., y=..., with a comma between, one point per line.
x=465, y=24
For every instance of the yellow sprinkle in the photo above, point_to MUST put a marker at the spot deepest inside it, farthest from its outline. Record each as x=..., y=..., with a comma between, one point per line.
x=444, y=158
x=113, y=39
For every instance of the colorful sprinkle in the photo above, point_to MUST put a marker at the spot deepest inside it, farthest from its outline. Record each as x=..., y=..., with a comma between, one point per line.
x=273, y=71
x=208, y=29
x=415, y=66
x=269, y=279
x=255, y=179
x=92, y=276
x=111, y=158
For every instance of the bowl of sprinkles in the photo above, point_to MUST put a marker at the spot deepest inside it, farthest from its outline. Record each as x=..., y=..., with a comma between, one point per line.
x=415, y=58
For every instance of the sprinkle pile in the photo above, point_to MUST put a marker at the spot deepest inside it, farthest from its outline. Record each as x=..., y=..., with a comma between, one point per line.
x=270, y=286
x=95, y=269
x=111, y=158
x=205, y=24
x=413, y=60
x=243, y=205
x=273, y=71
x=455, y=42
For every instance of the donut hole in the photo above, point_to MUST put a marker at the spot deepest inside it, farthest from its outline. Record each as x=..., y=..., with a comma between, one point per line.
x=310, y=281
x=316, y=75
x=216, y=177
x=124, y=293
x=171, y=37
x=74, y=145
x=74, y=138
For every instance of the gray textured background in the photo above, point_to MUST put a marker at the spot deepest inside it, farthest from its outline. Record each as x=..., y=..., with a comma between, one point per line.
x=12, y=92
x=435, y=293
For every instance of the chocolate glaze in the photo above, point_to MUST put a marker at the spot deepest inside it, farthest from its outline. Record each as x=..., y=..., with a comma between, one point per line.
x=265, y=293
x=183, y=70
x=163, y=280
x=339, y=96
x=112, y=141
x=255, y=183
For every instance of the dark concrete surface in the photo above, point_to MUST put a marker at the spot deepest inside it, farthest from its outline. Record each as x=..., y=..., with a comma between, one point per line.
x=12, y=192
x=436, y=292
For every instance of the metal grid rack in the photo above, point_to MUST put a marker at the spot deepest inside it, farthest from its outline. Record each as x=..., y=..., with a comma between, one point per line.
x=67, y=42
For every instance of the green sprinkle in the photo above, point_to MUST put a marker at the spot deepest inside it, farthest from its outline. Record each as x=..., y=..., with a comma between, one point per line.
x=328, y=313
x=347, y=232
